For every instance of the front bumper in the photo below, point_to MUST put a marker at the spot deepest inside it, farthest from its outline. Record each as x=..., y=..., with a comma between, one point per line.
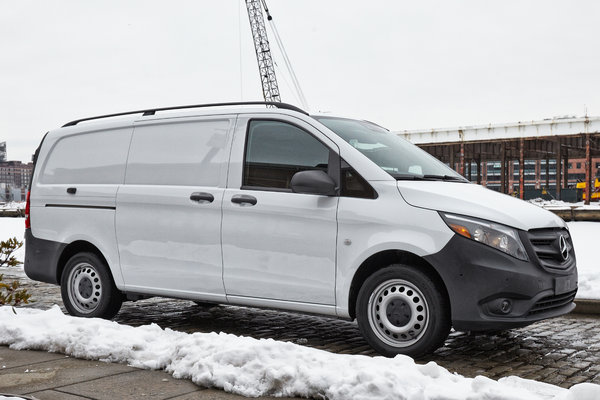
x=491, y=290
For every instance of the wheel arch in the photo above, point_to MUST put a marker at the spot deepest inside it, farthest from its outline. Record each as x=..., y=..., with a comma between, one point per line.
x=386, y=258
x=78, y=246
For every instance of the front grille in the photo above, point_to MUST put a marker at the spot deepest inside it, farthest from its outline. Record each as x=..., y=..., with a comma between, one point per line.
x=551, y=302
x=545, y=243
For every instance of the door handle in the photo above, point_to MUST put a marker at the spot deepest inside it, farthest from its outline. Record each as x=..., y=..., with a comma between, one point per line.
x=243, y=199
x=202, y=197
x=72, y=190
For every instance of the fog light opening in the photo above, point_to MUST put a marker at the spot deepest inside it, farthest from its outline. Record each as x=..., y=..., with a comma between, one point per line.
x=505, y=306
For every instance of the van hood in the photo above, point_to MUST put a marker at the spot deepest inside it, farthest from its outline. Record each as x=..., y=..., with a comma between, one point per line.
x=477, y=201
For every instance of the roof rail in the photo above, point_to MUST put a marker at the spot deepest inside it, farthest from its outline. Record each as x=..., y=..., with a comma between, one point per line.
x=152, y=111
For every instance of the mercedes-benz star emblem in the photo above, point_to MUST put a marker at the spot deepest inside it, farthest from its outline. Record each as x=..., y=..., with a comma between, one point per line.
x=564, y=249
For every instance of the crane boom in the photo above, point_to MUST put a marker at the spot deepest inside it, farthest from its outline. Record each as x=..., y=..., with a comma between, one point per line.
x=266, y=69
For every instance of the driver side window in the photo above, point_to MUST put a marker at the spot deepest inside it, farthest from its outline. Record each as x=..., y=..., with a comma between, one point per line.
x=276, y=150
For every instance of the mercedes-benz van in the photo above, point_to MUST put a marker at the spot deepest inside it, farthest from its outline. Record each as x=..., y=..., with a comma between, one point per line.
x=271, y=207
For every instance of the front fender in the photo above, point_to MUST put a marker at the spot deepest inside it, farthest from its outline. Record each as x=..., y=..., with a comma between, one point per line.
x=370, y=226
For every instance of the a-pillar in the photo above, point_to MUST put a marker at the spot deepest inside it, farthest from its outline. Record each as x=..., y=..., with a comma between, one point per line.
x=521, y=167
x=558, y=168
x=588, y=170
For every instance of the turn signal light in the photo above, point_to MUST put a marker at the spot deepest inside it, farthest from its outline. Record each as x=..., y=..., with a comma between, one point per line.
x=461, y=230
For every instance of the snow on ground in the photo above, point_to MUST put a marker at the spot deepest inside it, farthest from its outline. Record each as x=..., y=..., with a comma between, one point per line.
x=262, y=367
x=559, y=204
x=13, y=205
x=585, y=238
x=13, y=227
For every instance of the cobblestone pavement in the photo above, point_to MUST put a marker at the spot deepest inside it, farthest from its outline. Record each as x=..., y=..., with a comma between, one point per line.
x=562, y=351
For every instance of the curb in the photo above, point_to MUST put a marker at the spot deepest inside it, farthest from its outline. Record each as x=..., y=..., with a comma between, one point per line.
x=586, y=306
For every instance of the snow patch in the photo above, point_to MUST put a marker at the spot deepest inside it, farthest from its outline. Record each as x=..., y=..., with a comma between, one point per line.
x=13, y=205
x=13, y=227
x=559, y=204
x=262, y=367
x=585, y=237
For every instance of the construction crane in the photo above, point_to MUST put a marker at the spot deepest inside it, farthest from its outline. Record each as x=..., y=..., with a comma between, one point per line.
x=266, y=66
x=266, y=69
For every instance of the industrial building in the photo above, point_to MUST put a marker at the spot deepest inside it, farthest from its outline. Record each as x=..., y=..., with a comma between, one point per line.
x=521, y=158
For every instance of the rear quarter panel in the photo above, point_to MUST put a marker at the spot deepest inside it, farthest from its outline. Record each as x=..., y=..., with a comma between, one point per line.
x=89, y=214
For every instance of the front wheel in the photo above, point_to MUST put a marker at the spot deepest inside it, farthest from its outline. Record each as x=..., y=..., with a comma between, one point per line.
x=87, y=288
x=400, y=310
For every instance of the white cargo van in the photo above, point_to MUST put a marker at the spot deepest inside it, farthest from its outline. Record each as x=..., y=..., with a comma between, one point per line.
x=270, y=207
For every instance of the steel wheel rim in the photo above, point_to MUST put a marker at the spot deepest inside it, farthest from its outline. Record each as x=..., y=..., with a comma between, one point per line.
x=398, y=313
x=84, y=288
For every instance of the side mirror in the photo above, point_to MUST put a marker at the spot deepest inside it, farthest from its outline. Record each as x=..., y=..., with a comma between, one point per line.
x=313, y=182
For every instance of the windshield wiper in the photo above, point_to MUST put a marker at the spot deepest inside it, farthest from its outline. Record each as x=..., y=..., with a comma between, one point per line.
x=412, y=177
x=445, y=178
x=409, y=177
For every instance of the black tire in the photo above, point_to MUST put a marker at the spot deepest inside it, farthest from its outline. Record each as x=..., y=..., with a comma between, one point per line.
x=88, y=289
x=400, y=310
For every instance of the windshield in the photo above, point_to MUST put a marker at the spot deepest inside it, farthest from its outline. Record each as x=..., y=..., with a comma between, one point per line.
x=396, y=156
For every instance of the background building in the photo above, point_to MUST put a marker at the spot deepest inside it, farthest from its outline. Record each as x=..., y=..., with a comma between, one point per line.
x=528, y=159
x=535, y=174
x=14, y=177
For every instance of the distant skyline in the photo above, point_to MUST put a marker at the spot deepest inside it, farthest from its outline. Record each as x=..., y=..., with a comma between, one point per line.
x=404, y=65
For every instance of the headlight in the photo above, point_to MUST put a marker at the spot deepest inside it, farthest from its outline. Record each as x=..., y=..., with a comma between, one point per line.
x=498, y=236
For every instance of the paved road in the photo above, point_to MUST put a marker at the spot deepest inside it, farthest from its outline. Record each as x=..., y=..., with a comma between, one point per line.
x=52, y=376
x=562, y=351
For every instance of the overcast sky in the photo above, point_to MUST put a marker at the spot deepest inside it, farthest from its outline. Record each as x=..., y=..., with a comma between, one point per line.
x=404, y=65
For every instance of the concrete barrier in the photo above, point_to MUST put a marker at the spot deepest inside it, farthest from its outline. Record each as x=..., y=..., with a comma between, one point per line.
x=576, y=214
x=586, y=306
x=12, y=212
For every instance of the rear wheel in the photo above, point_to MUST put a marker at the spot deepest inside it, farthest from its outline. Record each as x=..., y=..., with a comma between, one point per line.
x=400, y=310
x=87, y=288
